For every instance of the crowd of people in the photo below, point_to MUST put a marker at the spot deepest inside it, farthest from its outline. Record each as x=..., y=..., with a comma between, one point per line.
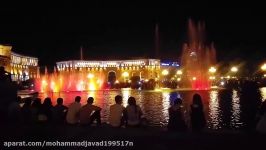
x=119, y=116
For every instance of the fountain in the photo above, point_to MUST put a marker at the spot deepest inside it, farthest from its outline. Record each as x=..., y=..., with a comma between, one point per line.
x=69, y=81
x=197, y=58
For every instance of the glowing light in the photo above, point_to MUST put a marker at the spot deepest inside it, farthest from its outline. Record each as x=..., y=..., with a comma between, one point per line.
x=264, y=75
x=263, y=67
x=212, y=70
x=178, y=79
x=222, y=83
x=234, y=69
x=228, y=77
x=90, y=76
x=157, y=89
x=146, y=80
x=263, y=93
x=165, y=72
x=116, y=81
x=126, y=92
x=179, y=72
x=125, y=74
x=194, y=78
x=212, y=77
x=44, y=82
x=98, y=81
x=81, y=86
x=92, y=86
x=53, y=86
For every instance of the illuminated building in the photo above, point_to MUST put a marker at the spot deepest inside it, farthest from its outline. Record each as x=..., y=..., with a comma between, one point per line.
x=113, y=70
x=20, y=67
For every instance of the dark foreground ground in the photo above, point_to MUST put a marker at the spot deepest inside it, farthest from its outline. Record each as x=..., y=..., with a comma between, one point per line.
x=142, y=138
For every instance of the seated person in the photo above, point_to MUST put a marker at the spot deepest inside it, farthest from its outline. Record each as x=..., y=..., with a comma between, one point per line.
x=26, y=111
x=46, y=111
x=73, y=110
x=59, y=111
x=14, y=110
x=133, y=113
x=176, y=116
x=88, y=113
x=116, y=117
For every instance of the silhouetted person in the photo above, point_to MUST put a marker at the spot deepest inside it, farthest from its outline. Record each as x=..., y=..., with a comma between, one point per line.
x=88, y=113
x=198, y=121
x=46, y=110
x=262, y=109
x=8, y=92
x=14, y=110
x=116, y=116
x=72, y=116
x=59, y=111
x=250, y=101
x=4, y=76
x=133, y=113
x=26, y=111
x=261, y=125
x=35, y=109
x=176, y=116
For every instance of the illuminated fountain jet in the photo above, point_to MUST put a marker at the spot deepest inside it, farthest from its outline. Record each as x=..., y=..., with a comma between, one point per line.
x=197, y=57
x=71, y=81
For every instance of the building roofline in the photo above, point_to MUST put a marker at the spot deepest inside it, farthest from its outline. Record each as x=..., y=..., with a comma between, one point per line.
x=13, y=53
x=105, y=60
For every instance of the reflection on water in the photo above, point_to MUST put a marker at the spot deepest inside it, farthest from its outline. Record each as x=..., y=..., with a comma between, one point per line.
x=235, y=118
x=155, y=104
x=263, y=93
x=166, y=105
x=214, y=111
x=126, y=93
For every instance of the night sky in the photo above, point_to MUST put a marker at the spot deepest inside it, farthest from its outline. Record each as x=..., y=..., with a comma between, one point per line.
x=55, y=31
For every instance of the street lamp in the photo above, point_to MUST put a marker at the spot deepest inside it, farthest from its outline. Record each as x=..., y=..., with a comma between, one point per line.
x=234, y=69
x=212, y=70
x=263, y=67
x=165, y=72
x=179, y=72
x=125, y=75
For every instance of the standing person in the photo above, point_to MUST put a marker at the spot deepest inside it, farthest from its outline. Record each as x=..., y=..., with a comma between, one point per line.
x=73, y=111
x=176, y=116
x=89, y=113
x=198, y=121
x=133, y=113
x=59, y=111
x=116, y=115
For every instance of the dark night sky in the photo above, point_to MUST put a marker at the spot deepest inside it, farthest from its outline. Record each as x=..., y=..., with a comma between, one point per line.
x=55, y=31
